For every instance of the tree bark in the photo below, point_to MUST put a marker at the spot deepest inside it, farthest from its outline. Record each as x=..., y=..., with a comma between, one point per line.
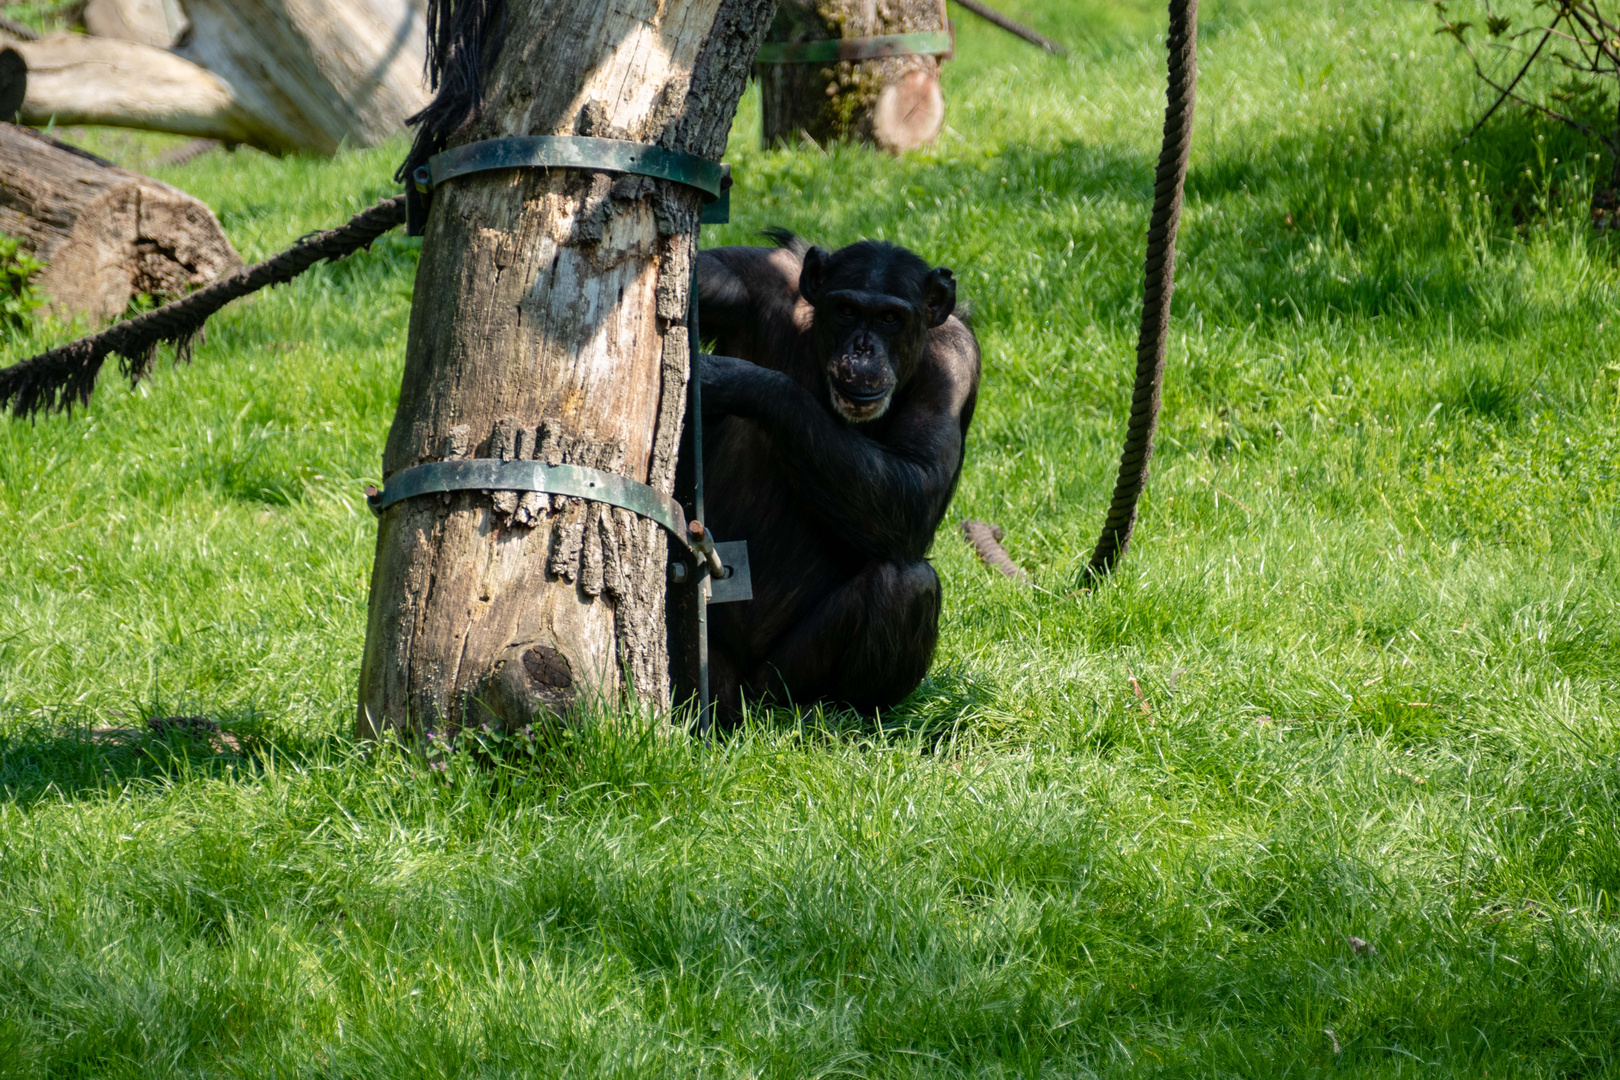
x=106, y=235
x=286, y=76
x=549, y=322
x=894, y=103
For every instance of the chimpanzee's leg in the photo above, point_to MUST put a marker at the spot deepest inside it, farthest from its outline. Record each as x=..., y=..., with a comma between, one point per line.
x=867, y=644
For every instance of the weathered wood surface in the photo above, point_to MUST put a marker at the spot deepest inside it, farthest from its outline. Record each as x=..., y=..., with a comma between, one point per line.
x=549, y=321
x=105, y=234
x=159, y=23
x=74, y=79
x=323, y=73
x=894, y=103
x=286, y=76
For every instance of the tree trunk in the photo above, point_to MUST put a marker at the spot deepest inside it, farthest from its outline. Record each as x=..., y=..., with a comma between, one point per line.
x=549, y=322
x=286, y=76
x=105, y=235
x=894, y=103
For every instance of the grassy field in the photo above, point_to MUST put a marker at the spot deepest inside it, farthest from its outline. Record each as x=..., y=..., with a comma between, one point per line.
x=1324, y=782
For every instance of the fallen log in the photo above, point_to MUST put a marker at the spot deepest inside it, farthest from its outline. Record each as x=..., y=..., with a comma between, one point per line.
x=159, y=23
x=325, y=75
x=105, y=234
x=284, y=76
x=74, y=79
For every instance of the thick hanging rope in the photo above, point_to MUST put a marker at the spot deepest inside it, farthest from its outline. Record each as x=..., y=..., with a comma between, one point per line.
x=1159, y=281
x=65, y=376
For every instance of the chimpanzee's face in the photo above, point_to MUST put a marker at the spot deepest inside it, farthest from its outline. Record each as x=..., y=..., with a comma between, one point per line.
x=874, y=305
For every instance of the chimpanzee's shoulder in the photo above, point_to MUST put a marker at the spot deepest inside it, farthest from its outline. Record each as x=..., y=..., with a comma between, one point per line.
x=951, y=363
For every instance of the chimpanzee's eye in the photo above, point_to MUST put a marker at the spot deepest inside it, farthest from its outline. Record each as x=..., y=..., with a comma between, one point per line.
x=891, y=317
x=846, y=310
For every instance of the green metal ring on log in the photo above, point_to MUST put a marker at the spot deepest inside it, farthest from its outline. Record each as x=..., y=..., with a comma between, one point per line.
x=492, y=474
x=922, y=43
x=574, y=152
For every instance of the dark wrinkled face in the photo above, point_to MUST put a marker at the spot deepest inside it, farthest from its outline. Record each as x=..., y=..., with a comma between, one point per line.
x=875, y=304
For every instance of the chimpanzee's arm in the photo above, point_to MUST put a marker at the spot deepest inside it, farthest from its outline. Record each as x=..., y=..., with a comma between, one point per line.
x=885, y=497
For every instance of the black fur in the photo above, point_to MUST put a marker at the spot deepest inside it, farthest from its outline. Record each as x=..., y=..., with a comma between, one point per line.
x=459, y=35
x=837, y=498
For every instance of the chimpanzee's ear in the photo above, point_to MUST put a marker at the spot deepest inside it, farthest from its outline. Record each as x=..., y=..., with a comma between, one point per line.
x=812, y=275
x=939, y=293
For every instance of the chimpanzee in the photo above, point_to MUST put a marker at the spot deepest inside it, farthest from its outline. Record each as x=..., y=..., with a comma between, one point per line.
x=836, y=412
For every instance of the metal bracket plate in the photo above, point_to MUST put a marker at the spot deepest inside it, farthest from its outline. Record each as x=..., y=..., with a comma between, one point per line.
x=574, y=152
x=492, y=474
x=923, y=43
x=738, y=584
x=718, y=212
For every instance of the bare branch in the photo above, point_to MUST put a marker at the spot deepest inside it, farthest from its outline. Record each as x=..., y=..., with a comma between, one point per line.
x=1506, y=92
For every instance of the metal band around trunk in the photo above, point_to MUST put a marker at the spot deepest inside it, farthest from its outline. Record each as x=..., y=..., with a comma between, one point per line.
x=574, y=152
x=922, y=43
x=492, y=474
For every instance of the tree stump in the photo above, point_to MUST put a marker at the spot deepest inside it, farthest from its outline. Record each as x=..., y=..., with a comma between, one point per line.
x=549, y=322
x=105, y=234
x=894, y=103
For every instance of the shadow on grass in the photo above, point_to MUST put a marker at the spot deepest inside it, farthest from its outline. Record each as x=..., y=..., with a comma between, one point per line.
x=45, y=760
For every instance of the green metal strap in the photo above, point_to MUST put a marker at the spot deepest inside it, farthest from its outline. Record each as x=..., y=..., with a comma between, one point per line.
x=492, y=474
x=574, y=152
x=923, y=43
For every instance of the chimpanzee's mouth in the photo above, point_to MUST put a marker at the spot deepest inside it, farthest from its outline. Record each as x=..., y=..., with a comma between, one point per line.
x=856, y=407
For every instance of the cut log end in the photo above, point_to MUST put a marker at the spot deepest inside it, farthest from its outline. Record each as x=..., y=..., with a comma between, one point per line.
x=909, y=112
x=106, y=235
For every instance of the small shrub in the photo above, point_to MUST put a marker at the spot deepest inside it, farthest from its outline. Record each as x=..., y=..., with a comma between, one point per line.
x=1570, y=51
x=17, y=296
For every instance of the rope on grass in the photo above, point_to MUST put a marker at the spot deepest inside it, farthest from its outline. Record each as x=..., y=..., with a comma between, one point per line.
x=986, y=541
x=65, y=376
x=1158, y=282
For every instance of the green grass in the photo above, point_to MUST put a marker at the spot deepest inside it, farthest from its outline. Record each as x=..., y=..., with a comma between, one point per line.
x=1359, y=675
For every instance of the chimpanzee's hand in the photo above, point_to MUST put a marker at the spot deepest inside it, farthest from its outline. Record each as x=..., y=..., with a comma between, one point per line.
x=729, y=384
